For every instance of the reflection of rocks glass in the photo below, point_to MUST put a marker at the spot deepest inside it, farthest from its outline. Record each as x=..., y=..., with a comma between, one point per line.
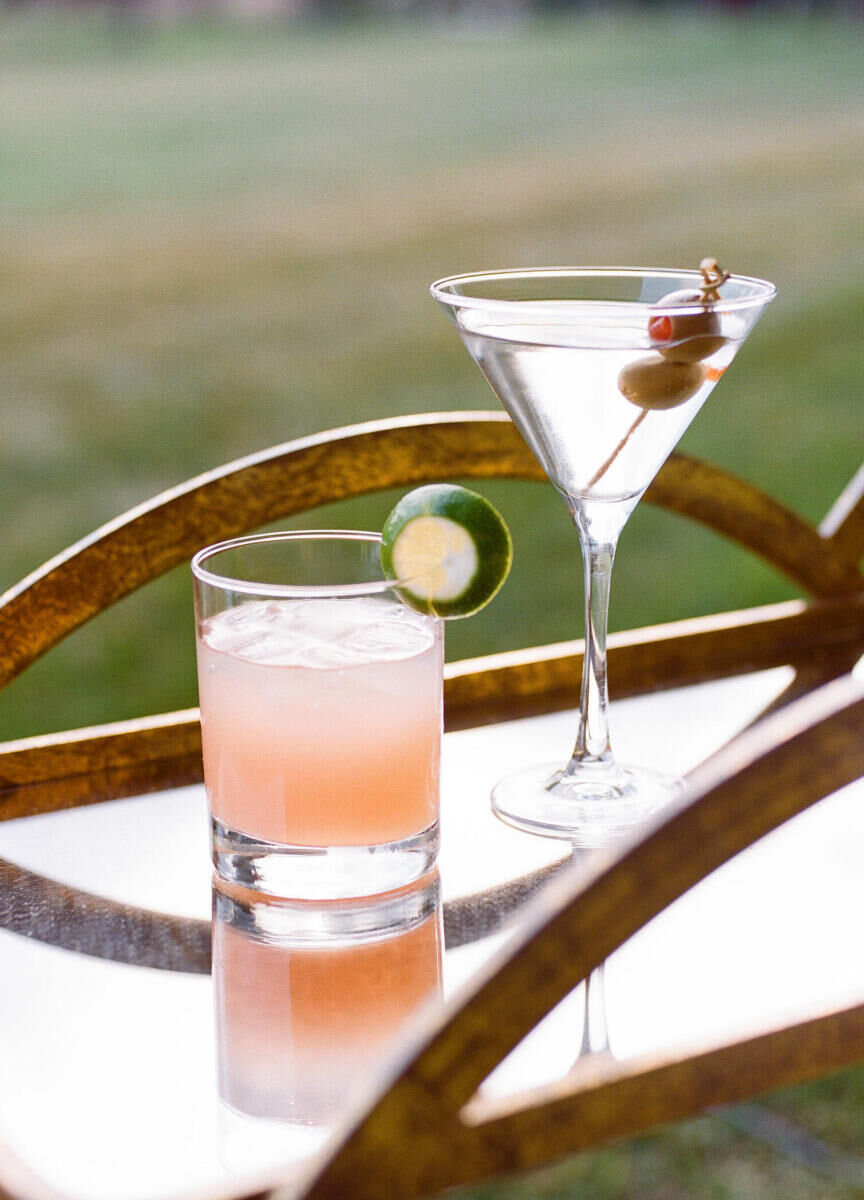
x=311, y=998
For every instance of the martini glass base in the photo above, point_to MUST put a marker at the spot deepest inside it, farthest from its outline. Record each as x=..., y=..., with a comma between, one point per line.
x=590, y=809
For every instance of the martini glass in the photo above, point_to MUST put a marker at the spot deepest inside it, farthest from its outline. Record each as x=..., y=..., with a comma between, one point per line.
x=601, y=370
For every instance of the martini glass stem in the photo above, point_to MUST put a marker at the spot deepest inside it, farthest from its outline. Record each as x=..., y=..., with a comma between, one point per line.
x=599, y=525
x=592, y=738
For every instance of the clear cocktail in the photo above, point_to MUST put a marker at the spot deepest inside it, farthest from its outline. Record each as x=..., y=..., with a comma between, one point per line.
x=320, y=715
x=559, y=377
x=602, y=370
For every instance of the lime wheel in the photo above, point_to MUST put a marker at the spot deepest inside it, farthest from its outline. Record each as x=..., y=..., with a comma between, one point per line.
x=449, y=549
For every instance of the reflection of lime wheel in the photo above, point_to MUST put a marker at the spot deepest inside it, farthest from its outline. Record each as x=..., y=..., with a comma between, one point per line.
x=449, y=546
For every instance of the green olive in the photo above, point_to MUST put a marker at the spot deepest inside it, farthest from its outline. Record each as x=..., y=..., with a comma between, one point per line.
x=656, y=382
x=690, y=337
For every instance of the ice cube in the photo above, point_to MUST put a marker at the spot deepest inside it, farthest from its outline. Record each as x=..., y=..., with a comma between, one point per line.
x=323, y=634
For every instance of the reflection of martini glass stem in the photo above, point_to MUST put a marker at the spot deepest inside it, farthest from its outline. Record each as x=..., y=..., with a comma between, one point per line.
x=595, y=1033
x=601, y=471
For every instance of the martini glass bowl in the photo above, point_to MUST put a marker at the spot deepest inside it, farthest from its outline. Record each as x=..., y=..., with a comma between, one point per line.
x=601, y=370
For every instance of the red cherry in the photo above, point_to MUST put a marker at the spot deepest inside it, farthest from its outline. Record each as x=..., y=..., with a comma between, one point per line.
x=690, y=337
x=660, y=329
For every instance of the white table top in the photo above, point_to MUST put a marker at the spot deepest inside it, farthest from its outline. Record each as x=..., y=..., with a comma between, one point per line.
x=107, y=1071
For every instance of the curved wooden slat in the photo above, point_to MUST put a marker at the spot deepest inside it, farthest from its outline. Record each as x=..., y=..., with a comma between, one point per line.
x=85, y=766
x=543, y=679
x=755, y=784
x=609, y=1100
x=749, y=516
x=33, y=906
x=37, y=907
x=843, y=527
x=154, y=537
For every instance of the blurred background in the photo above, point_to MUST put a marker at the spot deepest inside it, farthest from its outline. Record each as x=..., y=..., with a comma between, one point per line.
x=219, y=223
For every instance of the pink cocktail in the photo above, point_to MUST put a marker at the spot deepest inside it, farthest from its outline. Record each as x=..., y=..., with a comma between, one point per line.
x=321, y=700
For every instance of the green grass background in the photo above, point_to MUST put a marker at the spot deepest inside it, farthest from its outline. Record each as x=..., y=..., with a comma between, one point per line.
x=217, y=237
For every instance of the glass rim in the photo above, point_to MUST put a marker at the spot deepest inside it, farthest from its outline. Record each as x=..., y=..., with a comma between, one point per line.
x=763, y=290
x=251, y=587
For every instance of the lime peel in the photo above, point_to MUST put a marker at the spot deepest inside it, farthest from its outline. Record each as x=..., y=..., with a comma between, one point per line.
x=449, y=549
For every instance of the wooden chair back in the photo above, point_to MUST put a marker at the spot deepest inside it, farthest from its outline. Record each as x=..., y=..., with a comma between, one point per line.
x=782, y=765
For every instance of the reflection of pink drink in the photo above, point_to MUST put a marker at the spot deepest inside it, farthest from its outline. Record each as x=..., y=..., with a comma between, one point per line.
x=304, y=1026
x=321, y=720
